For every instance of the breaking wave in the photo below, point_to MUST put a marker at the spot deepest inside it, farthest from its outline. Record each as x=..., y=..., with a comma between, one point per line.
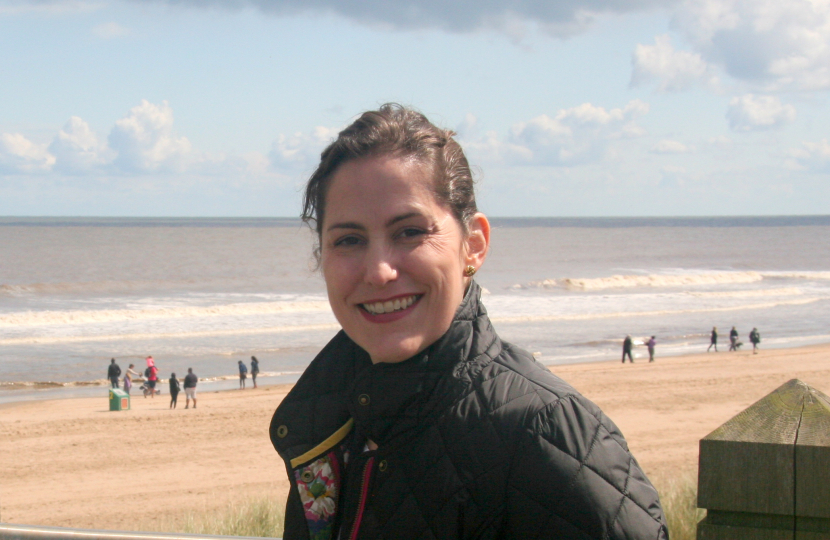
x=40, y=318
x=788, y=291
x=659, y=280
x=168, y=335
x=615, y=315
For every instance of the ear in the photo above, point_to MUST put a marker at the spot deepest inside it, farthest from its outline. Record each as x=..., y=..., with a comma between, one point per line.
x=477, y=242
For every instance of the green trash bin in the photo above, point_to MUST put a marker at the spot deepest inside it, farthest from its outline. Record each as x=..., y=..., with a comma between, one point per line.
x=119, y=400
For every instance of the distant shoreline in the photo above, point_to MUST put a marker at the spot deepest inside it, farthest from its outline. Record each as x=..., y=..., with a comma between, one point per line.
x=496, y=221
x=226, y=383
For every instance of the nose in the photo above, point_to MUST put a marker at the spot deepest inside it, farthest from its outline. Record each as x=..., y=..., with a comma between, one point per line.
x=380, y=266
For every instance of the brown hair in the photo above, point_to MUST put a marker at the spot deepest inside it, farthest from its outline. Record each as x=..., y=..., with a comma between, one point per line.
x=402, y=132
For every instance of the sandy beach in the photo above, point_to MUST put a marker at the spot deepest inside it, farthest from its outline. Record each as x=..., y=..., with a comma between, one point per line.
x=73, y=463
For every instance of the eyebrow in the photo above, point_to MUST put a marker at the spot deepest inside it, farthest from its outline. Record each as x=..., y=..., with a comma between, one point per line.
x=358, y=226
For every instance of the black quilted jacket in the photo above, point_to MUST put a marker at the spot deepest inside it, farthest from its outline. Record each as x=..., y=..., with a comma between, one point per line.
x=475, y=440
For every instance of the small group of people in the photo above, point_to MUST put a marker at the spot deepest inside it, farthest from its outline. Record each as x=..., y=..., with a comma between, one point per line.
x=734, y=344
x=628, y=345
x=190, y=382
x=151, y=379
x=243, y=372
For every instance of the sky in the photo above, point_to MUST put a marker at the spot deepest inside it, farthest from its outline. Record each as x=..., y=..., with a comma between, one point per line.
x=566, y=108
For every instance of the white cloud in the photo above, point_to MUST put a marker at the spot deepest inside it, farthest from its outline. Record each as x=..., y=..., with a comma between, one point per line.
x=301, y=150
x=675, y=70
x=110, y=30
x=468, y=127
x=667, y=146
x=814, y=157
x=572, y=136
x=754, y=113
x=145, y=142
x=772, y=44
x=20, y=155
x=77, y=149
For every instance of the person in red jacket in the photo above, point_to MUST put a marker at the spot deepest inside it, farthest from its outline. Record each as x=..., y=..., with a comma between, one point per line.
x=152, y=376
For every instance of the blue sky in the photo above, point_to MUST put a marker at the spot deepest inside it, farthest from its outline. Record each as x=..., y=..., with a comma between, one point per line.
x=607, y=107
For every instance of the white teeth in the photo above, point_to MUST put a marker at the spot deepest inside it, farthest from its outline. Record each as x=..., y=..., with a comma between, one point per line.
x=389, y=306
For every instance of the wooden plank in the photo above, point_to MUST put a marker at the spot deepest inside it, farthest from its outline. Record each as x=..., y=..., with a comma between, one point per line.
x=746, y=477
x=812, y=455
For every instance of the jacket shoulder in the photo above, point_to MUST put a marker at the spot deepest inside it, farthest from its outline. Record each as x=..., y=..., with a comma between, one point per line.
x=569, y=461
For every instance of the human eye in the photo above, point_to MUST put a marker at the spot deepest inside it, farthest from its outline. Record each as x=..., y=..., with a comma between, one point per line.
x=348, y=240
x=408, y=233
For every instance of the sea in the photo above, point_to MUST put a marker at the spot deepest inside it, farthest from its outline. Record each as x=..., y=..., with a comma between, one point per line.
x=207, y=292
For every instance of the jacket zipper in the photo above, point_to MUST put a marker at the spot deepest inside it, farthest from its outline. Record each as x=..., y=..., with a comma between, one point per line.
x=364, y=492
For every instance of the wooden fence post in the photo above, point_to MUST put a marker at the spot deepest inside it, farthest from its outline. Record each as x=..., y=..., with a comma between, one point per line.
x=765, y=474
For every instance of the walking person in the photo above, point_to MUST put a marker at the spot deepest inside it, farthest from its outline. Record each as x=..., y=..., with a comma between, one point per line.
x=627, y=349
x=243, y=374
x=733, y=339
x=755, y=339
x=174, y=390
x=152, y=376
x=650, y=344
x=713, y=339
x=113, y=372
x=254, y=369
x=190, y=381
x=128, y=378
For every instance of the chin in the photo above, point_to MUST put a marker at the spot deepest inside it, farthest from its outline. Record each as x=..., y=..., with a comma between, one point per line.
x=394, y=353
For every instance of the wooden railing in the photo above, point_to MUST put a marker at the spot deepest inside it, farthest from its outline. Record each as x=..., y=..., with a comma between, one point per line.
x=30, y=532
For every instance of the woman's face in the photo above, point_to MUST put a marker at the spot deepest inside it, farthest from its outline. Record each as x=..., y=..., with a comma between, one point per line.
x=393, y=257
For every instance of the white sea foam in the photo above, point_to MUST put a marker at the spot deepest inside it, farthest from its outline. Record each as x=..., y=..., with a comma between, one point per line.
x=659, y=280
x=41, y=318
x=28, y=340
x=787, y=291
x=665, y=312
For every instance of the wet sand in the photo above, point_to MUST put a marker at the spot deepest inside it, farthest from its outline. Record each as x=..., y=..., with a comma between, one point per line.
x=73, y=463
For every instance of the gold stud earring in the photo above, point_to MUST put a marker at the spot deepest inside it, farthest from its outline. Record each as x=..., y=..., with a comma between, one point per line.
x=470, y=270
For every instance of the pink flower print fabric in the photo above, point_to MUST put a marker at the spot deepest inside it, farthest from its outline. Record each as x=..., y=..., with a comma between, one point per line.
x=319, y=485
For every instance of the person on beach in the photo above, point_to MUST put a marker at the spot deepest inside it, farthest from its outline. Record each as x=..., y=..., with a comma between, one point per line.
x=113, y=372
x=733, y=339
x=755, y=339
x=651, y=343
x=627, y=345
x=174, y=390
x=128, y=378
x=254, y=369
x=243, y=374
x=152, y=376
x=190, y=382
x=416, y=420
x=713, y=339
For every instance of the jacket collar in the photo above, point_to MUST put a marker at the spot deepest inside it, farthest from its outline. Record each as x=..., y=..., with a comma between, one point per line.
x=386, y=401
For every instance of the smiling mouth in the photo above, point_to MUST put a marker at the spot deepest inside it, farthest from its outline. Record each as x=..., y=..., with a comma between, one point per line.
x=390, y=306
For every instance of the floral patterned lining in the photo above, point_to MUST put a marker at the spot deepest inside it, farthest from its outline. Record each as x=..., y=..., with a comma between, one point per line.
x=319, y=492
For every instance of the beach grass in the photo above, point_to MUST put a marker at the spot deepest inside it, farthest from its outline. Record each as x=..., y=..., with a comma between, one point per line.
x=253, y=516
x=679, y=499
x=263, y=516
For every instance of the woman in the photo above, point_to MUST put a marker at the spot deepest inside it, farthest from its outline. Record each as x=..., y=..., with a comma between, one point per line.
x=755, y=339
x=152, y=376
x=713, y=339
x=128, y=378
x=416, y=420
x=254, y=369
